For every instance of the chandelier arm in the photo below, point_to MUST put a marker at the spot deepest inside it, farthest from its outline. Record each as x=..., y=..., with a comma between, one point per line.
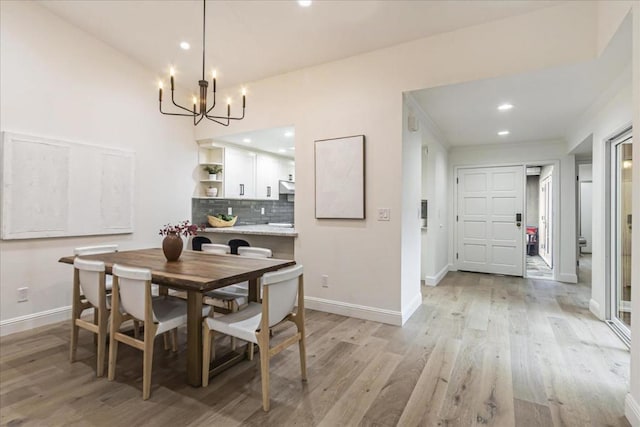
x=214, y=103
x=227, y=117
x=175, y=114
x=195, y=122
x=180, y=106
x=219, y=122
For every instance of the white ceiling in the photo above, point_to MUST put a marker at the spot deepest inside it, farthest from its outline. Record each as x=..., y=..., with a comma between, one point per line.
x=279, y=141
x=250, y=40
x=546, y=103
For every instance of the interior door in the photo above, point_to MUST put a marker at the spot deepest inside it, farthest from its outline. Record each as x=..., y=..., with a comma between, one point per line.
x=585, y=215
x=489, y=220
x=546, y=216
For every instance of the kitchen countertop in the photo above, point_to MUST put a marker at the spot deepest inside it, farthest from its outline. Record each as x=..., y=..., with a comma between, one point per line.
x=258, y=229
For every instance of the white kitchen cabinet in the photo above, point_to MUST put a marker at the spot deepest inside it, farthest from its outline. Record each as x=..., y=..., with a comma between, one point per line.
x=239, y=173
x=268, y=174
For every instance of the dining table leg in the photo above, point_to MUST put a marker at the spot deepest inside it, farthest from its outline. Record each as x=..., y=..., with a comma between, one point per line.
x=194, y=338
x=254, y=291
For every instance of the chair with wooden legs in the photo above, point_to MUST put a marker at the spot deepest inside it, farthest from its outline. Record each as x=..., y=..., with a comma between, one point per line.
x=132, y=295
x=252, y=324
x=89, y=280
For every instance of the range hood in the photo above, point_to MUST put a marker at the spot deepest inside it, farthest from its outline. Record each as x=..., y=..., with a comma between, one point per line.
x=287, y=187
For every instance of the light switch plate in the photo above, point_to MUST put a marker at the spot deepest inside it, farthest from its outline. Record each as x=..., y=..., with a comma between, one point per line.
x=384, y=214
x=229, y=210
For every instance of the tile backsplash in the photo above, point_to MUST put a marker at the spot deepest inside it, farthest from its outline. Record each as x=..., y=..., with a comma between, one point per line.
x=248, y=211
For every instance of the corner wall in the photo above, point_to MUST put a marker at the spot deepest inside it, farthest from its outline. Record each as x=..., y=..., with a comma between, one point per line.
x=57, y=81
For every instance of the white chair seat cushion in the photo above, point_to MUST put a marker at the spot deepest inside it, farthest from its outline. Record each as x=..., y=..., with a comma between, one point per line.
x=108, y=282
x=241, y=324
x=241, y=296
x=171, y=312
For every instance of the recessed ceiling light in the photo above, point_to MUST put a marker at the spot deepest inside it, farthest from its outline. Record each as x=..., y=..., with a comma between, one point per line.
x=503, y=132
x=505, y=107
x=185, y=46
x=288, y=134
x=282, y=150
x=304, y=3
x=246, y=140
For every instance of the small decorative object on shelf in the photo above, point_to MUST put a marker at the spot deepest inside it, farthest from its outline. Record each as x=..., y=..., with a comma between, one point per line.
x=172, y=242
x=213, y=171
x=212, y=192
x=222, y=220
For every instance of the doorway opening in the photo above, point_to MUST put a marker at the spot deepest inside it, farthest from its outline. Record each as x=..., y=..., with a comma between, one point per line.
x=620, y=208
x=539, y=222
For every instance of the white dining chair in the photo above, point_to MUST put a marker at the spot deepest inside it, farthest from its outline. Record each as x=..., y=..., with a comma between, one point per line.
x=216, y=248
x=236, y=296
x=96, y=250
x=132, y=294
x=281, y=290
x=89, y=280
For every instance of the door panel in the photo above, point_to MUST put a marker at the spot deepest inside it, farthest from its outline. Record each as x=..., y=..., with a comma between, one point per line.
x=546, y=216
x=489, y=240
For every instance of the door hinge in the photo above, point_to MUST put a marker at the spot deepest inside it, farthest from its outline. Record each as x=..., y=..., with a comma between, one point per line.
x=456, y=255
x=577, y=178
x=457, y=180
x=456, y=218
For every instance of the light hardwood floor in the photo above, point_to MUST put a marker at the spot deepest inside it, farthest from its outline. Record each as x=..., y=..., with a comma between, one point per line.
x=481, y=350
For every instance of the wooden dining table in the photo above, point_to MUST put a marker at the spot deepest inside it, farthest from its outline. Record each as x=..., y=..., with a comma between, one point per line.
x=196, y=273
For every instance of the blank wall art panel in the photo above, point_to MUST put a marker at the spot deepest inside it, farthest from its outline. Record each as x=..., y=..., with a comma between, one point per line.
x=340, y=178
x=53, y=188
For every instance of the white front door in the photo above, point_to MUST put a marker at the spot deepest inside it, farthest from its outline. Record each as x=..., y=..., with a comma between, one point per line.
x=490, y=238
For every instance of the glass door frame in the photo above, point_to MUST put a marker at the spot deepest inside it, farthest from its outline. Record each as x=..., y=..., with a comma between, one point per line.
x=613, y=227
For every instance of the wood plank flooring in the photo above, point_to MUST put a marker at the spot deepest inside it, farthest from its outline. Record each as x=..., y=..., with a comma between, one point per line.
x=481, y=350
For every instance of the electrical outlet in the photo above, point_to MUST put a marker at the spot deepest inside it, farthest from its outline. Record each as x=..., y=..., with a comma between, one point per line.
x=23, y=294
x=324, y=281
x=384, y=214
x=261, y=211
x=229, y=210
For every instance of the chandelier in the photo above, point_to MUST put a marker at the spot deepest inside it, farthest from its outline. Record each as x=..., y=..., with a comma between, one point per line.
x=200, y=108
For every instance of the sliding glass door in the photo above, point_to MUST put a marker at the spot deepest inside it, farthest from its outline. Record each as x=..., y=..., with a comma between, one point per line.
x=620, y=286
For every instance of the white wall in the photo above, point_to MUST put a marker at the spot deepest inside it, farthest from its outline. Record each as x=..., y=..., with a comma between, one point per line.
x=411, y=298
x=57, y=81
x=538, y=153
x=434, y=263
x=609, y=115
x=362, y=94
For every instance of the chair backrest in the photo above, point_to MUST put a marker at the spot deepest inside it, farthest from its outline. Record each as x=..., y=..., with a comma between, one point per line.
x=91, y=279
x=282, y=286
x=253, y=252
x=197, y=241
x=134, y=285
x=95, y=250
x=216, y=248
x=236, y=243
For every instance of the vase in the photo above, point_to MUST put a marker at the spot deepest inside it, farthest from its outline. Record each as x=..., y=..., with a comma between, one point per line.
x=213, y=177
x=172, y=246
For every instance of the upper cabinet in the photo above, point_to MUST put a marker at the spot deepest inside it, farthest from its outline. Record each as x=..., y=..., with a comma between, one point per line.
x=268, y=175
x=240, y=173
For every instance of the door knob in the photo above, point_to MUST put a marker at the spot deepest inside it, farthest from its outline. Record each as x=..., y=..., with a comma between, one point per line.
x=518, y=219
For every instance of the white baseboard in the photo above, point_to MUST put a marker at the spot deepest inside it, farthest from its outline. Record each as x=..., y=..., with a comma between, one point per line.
x=452, y=267
x=391, y=317
x=632, y=410
x=568, y=278
x=594, y=307
x=412, y=307
x=34, y=320
x=434, y=280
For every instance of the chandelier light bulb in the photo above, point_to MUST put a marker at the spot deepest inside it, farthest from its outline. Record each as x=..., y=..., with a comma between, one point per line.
x=160, y=85
x=195, y=100
x=172, y=71
x=244, y=91
x=214, y=74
